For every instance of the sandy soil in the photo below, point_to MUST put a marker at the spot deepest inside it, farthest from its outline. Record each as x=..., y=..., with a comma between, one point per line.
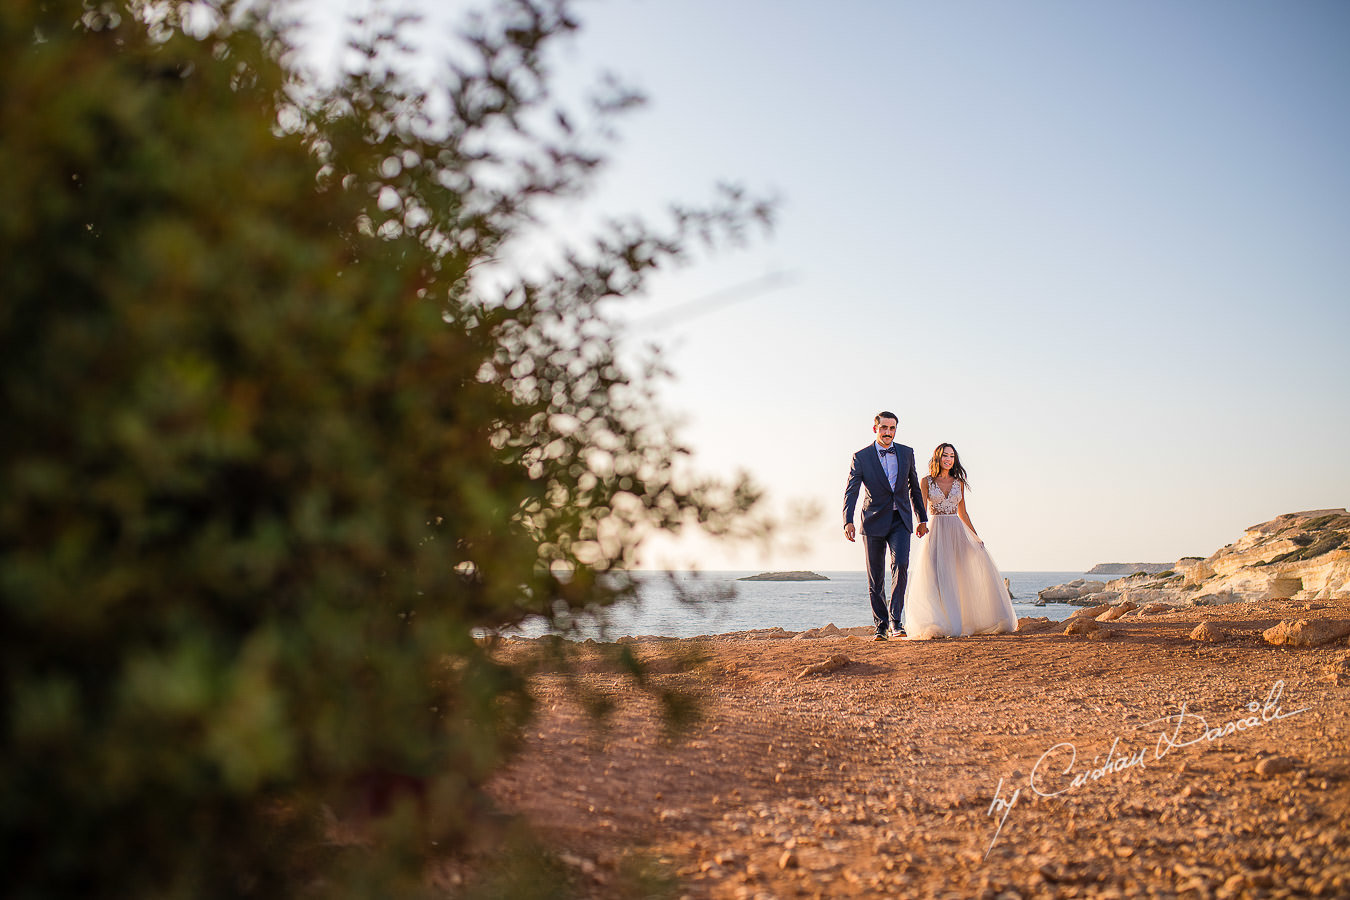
x=1169, y=767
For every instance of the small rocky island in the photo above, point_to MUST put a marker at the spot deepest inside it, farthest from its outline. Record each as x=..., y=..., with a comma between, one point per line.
x=784, y=576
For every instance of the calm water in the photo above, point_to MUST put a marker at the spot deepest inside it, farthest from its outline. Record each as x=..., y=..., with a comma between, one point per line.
x=682, y=604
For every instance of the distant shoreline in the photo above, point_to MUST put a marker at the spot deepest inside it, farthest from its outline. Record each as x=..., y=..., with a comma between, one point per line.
x=691, y=604
x=1129, y=568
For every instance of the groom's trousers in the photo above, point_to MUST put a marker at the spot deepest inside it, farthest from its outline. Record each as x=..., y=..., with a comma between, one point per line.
x=874, y=552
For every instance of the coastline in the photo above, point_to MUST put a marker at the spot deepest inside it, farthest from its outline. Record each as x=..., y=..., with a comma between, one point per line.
x=698, y=604
x=911, y=768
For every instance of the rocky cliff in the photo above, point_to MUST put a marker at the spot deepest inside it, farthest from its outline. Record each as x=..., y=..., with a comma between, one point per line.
x=1296, y=556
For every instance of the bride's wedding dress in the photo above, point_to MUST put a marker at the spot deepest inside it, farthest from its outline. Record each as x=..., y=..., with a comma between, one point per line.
x=954, y=587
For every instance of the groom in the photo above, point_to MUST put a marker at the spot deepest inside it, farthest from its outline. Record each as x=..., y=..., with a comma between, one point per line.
x=885, y=470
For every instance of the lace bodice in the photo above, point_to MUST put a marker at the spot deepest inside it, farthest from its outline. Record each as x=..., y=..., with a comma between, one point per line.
x=944, y=504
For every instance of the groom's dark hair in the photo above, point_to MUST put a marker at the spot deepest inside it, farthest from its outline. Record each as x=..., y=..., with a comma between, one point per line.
x=885, y=414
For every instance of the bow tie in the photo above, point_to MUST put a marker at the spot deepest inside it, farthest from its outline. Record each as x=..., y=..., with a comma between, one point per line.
x=890, y=450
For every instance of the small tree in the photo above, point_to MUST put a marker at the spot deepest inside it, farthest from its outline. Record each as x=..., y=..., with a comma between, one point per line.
x=274, y=450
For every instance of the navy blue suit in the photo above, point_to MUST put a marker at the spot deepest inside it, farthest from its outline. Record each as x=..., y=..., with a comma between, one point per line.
x=887, y=520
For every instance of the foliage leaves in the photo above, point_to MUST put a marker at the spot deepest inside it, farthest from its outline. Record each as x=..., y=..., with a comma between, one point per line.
x=284, y=427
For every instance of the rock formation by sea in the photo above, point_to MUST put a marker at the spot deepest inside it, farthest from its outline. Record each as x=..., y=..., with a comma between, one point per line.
x=1296, y=556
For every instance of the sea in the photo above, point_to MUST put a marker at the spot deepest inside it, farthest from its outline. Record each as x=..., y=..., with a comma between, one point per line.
x=691, y=604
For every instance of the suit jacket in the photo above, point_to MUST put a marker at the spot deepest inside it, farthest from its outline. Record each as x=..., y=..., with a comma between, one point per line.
x=878, y=516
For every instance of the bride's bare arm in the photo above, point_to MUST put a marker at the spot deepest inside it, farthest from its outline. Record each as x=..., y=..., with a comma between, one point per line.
x=965, y=517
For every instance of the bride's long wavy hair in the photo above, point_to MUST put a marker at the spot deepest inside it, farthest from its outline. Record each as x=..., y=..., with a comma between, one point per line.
x=958, y=470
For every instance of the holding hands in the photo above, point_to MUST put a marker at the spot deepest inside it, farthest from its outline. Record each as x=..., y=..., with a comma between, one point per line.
x=852, y=533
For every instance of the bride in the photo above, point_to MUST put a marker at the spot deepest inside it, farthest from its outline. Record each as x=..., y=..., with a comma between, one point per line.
x=954, y=587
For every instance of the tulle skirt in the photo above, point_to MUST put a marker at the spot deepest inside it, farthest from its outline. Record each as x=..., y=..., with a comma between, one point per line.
x=954, y=587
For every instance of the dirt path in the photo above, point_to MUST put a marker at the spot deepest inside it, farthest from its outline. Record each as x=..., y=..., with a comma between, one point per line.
x=913, y=770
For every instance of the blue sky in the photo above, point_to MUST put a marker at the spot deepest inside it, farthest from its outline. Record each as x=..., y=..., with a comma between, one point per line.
x=1100, y=247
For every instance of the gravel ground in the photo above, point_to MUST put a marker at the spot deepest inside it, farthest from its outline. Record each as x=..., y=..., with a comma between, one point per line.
x=1134, y=761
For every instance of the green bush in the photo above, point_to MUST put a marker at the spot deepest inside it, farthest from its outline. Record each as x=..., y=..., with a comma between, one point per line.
x=274, y=450
x=1311, y=549
x=1328, y=521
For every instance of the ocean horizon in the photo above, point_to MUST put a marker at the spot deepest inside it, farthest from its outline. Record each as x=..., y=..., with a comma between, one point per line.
x=694, y=604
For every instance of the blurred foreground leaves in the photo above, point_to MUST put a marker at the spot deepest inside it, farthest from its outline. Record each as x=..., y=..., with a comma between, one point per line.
x=283, y=427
